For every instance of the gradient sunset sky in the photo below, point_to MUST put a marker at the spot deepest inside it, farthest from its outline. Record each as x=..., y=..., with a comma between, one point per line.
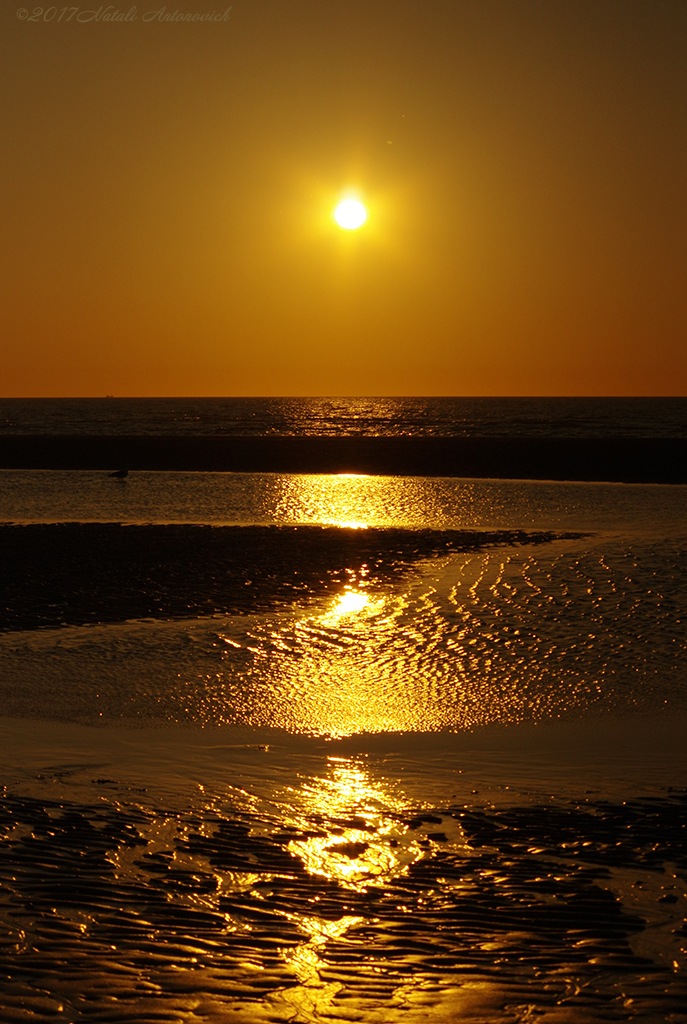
x=168, y=190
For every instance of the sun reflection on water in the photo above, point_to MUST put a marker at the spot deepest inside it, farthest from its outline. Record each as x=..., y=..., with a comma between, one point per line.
x=361, y=841
x=334, y=685
x=353, y=605
x=389, y=634
x=349, y=500
x=367, y=843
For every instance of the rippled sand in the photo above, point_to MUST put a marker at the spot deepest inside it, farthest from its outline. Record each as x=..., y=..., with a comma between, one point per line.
x=347, y=775
x=336, y=632
x=315, y=885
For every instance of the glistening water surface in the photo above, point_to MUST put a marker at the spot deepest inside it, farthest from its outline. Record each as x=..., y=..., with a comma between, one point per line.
x=416, y=615
x=160, y=881
x=391, y=417
x=346, y=749
x=576, y=627
x=29, y=496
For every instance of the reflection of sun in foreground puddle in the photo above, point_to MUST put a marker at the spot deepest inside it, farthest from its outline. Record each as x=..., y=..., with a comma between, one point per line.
x=367, y=844
x=362, y=842
x=350, y=602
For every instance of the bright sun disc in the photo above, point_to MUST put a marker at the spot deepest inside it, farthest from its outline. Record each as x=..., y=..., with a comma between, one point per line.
x=350, y=214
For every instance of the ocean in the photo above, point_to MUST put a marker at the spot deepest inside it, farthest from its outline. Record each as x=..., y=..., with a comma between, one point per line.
x=338, y=747
x=325, y=417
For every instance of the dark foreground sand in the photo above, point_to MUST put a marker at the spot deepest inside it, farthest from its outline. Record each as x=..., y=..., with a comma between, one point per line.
x=78, y=573
x=319, y=890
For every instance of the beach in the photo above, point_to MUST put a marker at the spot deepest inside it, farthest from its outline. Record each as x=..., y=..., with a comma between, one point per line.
x=74, y=570
x=335, y=747
x=239, y=875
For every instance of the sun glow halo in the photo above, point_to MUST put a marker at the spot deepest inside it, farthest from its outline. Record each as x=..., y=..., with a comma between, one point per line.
x=350, y=214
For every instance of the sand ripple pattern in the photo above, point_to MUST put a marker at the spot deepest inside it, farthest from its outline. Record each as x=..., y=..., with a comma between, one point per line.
x=112, y=909
x=457, y=640
x=504, y=636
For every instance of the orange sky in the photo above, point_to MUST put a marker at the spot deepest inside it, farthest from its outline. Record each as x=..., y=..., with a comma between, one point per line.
x=168, y=188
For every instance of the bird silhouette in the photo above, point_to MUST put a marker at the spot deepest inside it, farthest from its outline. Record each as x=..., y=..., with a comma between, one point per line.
x=120, y=474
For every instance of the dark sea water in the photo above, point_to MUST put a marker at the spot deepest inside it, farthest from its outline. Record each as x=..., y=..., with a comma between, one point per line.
x=447, y=417
x=327, y=748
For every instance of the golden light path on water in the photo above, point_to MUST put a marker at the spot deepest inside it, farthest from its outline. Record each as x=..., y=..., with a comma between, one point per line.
x=373, y=847
x=426, y=657
x=363, y=844
x=348, y=500
x=376, y=628
x=364, y=840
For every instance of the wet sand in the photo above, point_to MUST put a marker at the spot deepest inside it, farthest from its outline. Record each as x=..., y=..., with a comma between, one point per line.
x=638, y=460
x=308, y=883
x=172, y=874
x=78, y=573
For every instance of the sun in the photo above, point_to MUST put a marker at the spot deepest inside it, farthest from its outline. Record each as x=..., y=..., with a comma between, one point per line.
x=350, y=214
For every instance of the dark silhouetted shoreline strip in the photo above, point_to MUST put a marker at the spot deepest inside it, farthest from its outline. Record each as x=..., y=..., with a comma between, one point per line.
x=627, y=460
x=79, y=573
